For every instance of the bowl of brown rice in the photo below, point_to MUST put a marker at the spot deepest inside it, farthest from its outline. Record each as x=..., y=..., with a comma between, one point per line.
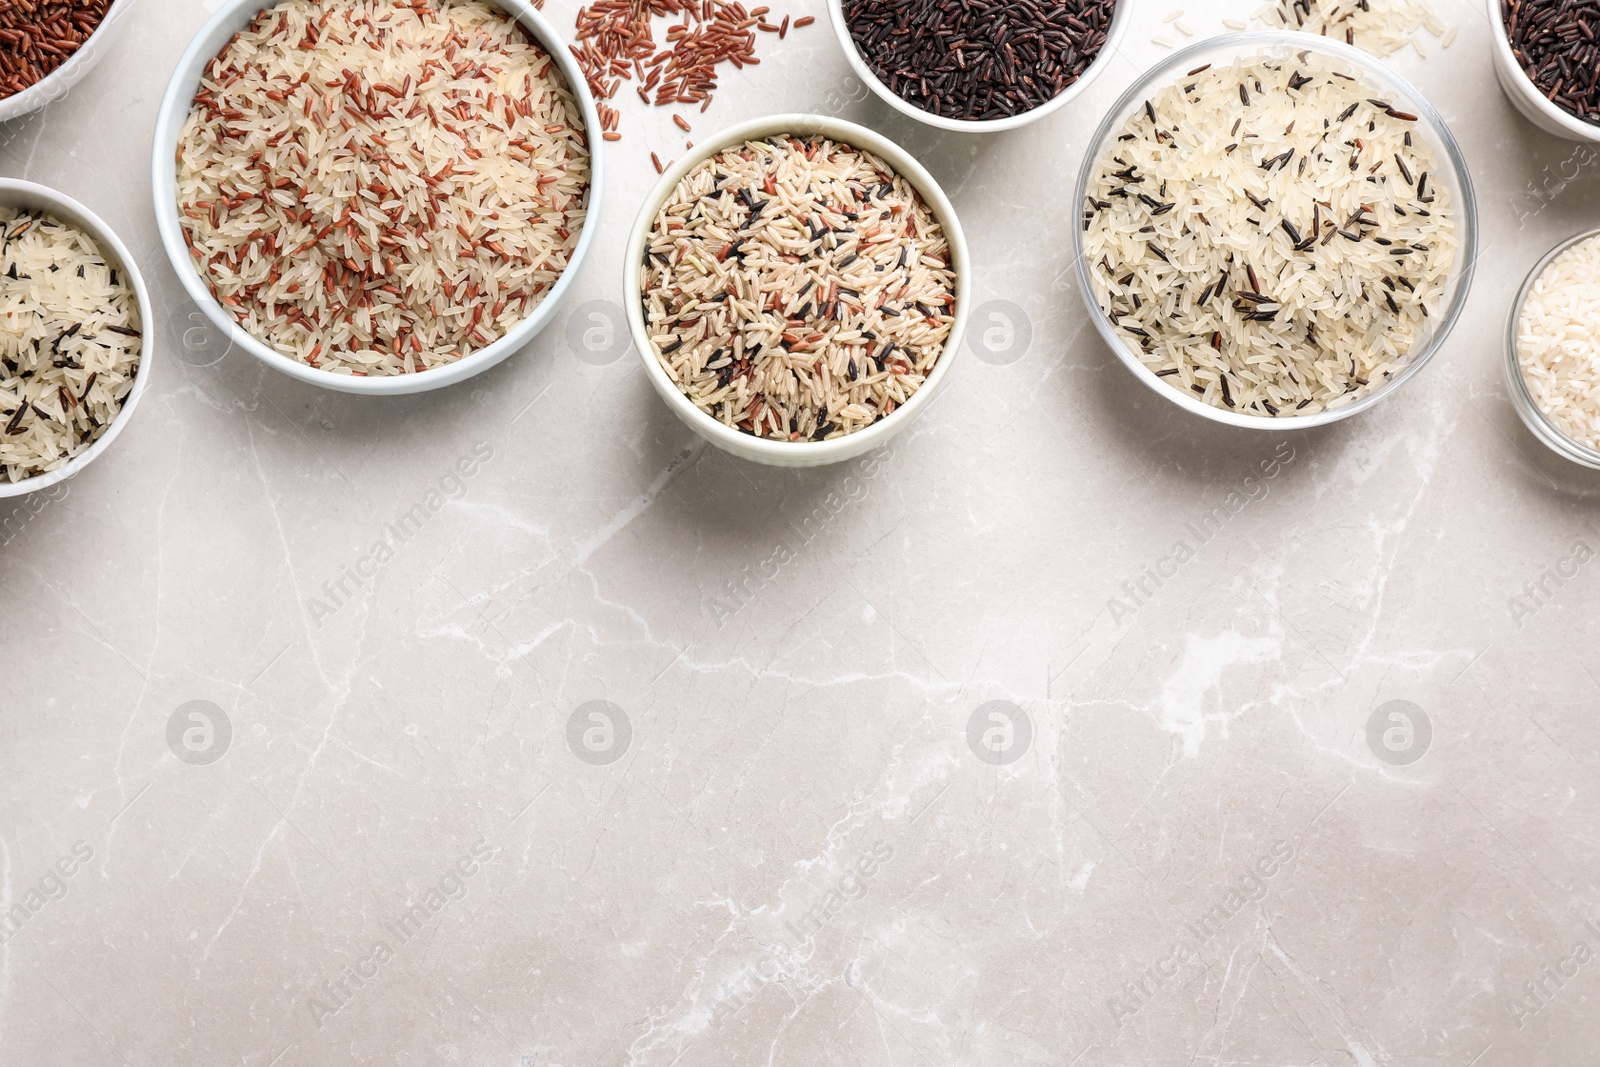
x=374, y=196
x=797, y=288
x=1274, y=230
x=74, y=357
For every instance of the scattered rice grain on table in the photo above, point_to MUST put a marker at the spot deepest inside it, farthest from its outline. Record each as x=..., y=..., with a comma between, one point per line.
x=1270, y=236
x=797, y=289
x=1557, y=344
x=379, y=188
x=1381, y=27
x=616, y=43
x=70, y=341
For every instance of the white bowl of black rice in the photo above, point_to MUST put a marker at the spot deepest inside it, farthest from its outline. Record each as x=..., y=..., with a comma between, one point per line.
x=472, y=140
x=1546, y=35
x=74, y=337
x=979, y=69
x=828, y=323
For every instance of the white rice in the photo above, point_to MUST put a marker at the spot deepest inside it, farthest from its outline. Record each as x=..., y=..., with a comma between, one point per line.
x=379, y=188
x=797, y=289
x=69, y=343
x=1275, y=240
x=1558, y=342
x=1381, y=27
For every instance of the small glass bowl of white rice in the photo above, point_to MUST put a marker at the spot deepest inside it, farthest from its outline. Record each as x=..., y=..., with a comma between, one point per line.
x=1227, y=207
x=1553, y=350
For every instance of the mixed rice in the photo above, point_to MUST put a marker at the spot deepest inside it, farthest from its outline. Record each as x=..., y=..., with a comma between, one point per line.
x=1270, y=236
x=376, y=187
x=70, y=340
x=797, y=288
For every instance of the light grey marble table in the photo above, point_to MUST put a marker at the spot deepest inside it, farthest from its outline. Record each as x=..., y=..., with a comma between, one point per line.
x=401, y=831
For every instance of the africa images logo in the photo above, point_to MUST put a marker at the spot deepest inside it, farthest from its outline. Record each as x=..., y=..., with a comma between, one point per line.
x=999, y=732
x=599, y=732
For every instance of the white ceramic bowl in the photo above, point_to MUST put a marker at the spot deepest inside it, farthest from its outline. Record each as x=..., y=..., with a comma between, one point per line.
x=1526, y=96
x=1430, y=125
x=1533, y=417
x=21, y=194
x=59, y=82
x=1120, y=17
x=796, y=453
x=235, y=15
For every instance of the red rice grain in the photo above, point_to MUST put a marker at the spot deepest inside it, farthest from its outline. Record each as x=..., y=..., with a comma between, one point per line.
x=616, y=43
x=36, y=38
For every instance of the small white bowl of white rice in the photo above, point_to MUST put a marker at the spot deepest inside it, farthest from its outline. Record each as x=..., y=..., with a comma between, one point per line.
x=75, y=349
x=1274, y=230
x=388, y=202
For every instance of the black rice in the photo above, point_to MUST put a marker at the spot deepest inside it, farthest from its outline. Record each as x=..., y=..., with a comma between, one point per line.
x=962, y=59
x=1554, y=40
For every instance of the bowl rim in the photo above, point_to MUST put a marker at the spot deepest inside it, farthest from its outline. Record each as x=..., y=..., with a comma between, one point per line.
x=106, y=237
x=749, y=445
x=1533, y=416
x=38, y=95
x=858, y=64
x=174, y=111
x=1466, y=214
x=1578, y=128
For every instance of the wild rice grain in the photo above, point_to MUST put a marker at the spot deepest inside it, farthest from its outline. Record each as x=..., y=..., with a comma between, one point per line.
x=1554, y=41
x=1381, y=27
x=797, y=289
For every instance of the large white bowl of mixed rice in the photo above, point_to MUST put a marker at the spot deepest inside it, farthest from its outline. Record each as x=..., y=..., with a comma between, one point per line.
x=378, y=197
x=811, y=333
x=75, y=349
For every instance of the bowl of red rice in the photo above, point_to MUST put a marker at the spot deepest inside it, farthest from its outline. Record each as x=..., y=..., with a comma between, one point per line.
x=62, y=45
x=812, y=332
x=377, y=197
x=74, y=337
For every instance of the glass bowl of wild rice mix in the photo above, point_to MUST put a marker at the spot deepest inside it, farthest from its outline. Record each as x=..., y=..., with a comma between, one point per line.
x=1274, y=230
x=74, y=357
x=797, y=288
x=375, y=196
